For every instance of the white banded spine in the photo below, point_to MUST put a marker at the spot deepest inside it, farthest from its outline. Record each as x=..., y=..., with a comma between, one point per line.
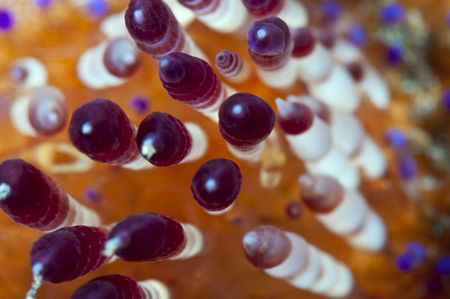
x=337, y=90
x=294, y=14
x=194, y=242
x=229, y=16
x=154, y=289
x=199, y=142
x=36, y=73
x=314, y=67
x=252, y=155
x=281, y=78
x=308, y=268
x=91, y=69
x=19, y=116
x=80, y=215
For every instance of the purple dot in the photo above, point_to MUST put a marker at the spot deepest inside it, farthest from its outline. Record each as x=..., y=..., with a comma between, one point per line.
x=98, y=8
x=392, y=13
x=395, y=54
x=357, y=35
x=404, y=262
x=91, y=195
x=406, y=166
x=397, y=138
x=294, y=210
x=331, y=10
x=6, y=19
x=139, y=104
x=446, y=99
x=447, y=18
x=443, y=265
x=42, y=3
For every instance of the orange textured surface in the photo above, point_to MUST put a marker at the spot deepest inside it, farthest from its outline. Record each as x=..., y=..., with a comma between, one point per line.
x=57, y=37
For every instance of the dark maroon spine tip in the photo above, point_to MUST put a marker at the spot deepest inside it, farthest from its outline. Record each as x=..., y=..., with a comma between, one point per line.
x=356, y=70
x=266, y=246
x=29, y=197
x=121, y=57
x=68, y=253
x=268, y=42
x=304, y=42
x=163, y=139
x=189, y=79
x=148, y=237
x=97, y=289
x=294, y=118
x=263, y=8
x=147, y=21
x=48, y=111
x=245, y=120
x=101, y=130
x=110, y=287
x=216, y=184
x=320, y=193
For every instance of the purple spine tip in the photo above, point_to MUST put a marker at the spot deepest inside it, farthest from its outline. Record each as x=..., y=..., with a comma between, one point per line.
x=267, y=38
x=245, y=120
x=121, y=57
x=357, y=35
x=6, y=19
x=331, y=10
x=392, y=13
x=397, y=138
x=446, y=99
x=216, y=184
x=406, y=166
x=98, y=8
x=443, y=266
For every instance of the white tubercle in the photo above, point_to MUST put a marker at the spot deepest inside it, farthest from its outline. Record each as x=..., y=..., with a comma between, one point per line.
x=337, y=90
x=310, y=269
x=375, y=87
x=313, y=143
x=36, y=72
x=199, y=142
x=348, y=216
x=282, y=78
x=194, y=242
x=316, y=66
x=371, y=159
x=80, y=215
x=114, y=25
x=111, y=246
x=139, y=163
x=91, y=69
x=183, y=15
x=346, y=52
x=346, y=130
x=294, y=14
x=226, y=17
x=154, y=289
x=337, y=165
x=5, y=189
x=253, y=155
x=372, y=236
x=19, y=116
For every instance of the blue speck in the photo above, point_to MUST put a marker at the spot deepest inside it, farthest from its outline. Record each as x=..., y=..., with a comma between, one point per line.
x=404, y=262
x=98, y=8
x=406, y=166
x=331, y=10
x=42, y=3
x=6, y=19
x=397, y=138
x=139, y=104
x=392, y=13
x=413, y=257
x=357, y=35
x=446, y=99
x=443, y=265
x=395, y=54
